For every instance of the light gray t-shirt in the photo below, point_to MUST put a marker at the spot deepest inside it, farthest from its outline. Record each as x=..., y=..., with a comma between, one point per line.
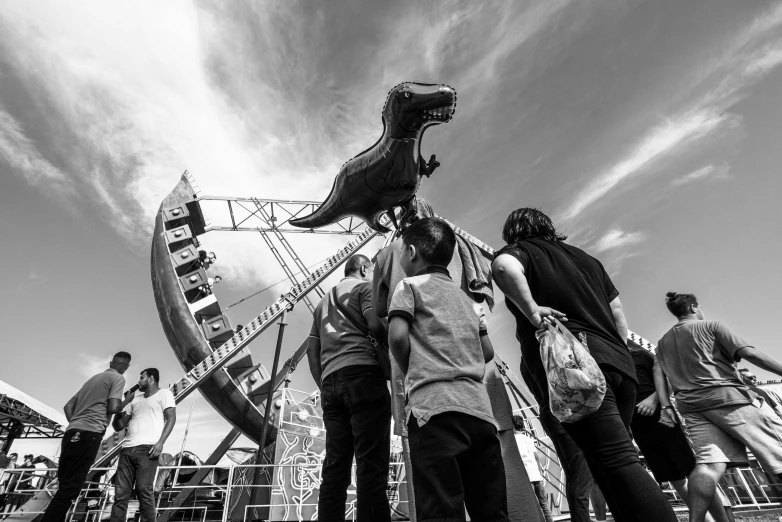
x=446, y=367
x=343, y=336
x=699, y=358
x=92, y=401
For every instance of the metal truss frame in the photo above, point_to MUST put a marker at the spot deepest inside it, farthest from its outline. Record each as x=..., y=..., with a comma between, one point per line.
x=246, y=214
x=14, y=414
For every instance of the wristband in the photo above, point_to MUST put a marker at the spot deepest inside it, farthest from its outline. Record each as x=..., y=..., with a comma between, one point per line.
x=667, y=407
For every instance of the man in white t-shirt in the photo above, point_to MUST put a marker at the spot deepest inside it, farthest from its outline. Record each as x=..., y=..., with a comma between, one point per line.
x=149, y=419
x=529, y=456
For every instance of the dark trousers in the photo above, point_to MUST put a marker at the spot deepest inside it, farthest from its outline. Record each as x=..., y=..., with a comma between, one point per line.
x=79, y=449
x=631, y=494
x=135, y=467
x=578, y=479
x=357, y=418
x=457, y=463
x=540, y=492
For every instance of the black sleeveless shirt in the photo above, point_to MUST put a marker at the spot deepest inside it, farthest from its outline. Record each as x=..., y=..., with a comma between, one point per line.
x=568, y=279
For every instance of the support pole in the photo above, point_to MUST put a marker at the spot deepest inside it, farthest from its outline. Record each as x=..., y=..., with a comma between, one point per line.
x=256, y=497
x=269, y=398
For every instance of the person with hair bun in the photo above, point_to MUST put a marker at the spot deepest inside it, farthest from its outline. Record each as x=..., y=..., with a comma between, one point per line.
x=723, y=416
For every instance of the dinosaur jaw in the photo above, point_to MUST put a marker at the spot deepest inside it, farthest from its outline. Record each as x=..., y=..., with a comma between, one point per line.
x=439, y=115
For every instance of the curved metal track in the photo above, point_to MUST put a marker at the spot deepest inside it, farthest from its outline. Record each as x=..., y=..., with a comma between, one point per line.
x=184, y=333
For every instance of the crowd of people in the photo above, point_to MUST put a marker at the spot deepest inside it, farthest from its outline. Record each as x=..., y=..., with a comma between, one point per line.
x=422, y=302
x=415, y=316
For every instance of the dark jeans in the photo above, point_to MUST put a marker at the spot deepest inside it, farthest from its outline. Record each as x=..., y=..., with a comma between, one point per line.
x=135, y=466
x=578, y=479
x=540, y=492
x=357, y=417
x=630, y=492
x=79, y=449
x=457, y=463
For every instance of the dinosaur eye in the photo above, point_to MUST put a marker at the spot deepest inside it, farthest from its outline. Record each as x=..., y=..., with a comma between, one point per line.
x=405, y=96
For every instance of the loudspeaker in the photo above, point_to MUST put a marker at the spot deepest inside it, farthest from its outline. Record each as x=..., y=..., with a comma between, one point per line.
x=184, y=259
x=217, y=330
x=191, y=282
x=178, y=238
x=175, y=216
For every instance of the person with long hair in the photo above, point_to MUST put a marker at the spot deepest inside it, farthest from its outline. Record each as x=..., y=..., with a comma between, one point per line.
x=544, y=277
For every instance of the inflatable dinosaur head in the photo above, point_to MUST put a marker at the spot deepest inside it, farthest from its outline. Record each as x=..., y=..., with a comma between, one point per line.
x=412, y=107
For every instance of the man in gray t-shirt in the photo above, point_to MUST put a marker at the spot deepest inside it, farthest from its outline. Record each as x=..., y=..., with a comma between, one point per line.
x=355, y=399
x=88, y=414
x=722, y=415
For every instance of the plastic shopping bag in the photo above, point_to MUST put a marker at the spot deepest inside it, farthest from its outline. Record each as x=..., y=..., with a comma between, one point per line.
x=576, y=384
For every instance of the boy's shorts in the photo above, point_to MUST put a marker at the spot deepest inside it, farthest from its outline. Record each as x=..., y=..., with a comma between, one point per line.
x=457, y=463
x=722, y=435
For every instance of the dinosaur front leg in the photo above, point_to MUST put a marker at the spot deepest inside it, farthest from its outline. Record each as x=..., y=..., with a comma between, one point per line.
x=428, y=168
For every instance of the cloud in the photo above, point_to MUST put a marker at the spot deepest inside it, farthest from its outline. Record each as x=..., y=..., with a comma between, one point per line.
x=703, y=110
x=711, y=172
x=616, y=238
x=250, y=98
x=663, y=140
x=21, y=154
x=91, y=364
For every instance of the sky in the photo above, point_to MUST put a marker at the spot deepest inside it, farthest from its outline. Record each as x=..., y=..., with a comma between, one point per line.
x=649, y=131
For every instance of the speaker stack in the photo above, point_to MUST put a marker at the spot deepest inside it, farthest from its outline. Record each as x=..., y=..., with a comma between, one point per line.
x=183, y=224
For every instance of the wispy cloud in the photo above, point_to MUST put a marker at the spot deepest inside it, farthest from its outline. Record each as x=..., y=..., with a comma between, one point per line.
x=617, y=238
x=710, y=172
x=21, y=154
x=90, y=364
x=705, y=109
x=663, y=140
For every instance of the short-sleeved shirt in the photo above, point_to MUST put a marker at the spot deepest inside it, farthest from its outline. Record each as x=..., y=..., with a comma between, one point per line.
x=391, y=273
x=644, y=370
x=147, y=421
x=92, y=400
x=446, y=366
x=699, y=358
x=568, y=279
x=343, y=336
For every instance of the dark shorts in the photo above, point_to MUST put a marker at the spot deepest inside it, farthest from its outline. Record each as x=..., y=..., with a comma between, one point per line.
x=667, y=452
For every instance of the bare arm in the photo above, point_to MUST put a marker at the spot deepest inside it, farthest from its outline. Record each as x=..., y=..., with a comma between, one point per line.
x=378, y=285
x=667, y=415
x=313, y=357
x=169, y=415
x=508, y=273
x=121, y=419
x=619, y=318
x=114, y=406
x=376, y=326
x=70, y=408
x=760, y=359
x=487, y=347
x=399, y=341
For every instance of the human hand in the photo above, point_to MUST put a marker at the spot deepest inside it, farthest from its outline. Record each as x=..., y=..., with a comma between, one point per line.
x=156, y=450
x=668, y=418
x=544, y=314
x=648, y=406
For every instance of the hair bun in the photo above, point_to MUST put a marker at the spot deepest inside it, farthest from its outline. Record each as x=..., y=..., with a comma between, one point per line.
x=670, y=296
